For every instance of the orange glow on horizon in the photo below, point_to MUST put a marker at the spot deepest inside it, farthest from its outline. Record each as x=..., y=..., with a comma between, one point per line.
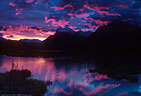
x=19, y=37
x=25, y=32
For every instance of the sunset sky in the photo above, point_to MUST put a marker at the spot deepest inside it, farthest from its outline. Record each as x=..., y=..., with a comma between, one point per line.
x=38, y=19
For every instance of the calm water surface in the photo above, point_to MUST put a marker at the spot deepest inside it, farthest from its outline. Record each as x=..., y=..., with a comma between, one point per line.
x=71, y=77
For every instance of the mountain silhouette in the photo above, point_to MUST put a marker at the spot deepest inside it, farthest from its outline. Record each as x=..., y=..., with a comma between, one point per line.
x=66, y=29
x=64, y=41
x=118, y=29
x=71, y=31
x=117, y=36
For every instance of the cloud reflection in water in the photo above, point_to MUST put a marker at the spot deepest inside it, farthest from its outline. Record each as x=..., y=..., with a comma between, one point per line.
x=71, y=78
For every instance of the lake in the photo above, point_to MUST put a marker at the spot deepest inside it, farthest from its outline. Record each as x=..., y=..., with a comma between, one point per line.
x=71, y=77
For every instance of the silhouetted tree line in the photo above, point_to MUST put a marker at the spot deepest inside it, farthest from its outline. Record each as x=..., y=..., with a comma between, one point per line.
x=19, y=82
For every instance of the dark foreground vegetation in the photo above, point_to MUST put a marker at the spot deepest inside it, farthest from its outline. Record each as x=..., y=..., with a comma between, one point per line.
x=18, y=82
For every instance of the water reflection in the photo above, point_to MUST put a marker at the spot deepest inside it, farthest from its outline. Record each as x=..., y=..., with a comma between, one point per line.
x=71, y=77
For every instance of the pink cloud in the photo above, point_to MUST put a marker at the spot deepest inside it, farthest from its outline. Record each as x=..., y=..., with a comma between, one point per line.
x=62, y=8
x=50, y=33
x=48, y=20
x=88, y=6
x=122, y=94
x=81, y=10
x=78, y=85
x=99, y=77
x=57, y=90
x=38, y=1
x=19, y=11
x=107, y=13
x=101, y=89
x=70, y=14
x=100, y=22
x=70, y=84
x=82, y=15
x=83, y=84
x=25, y=31
x=28, y=1
x=128, y=19
x=89, y=78
x=89, y=22
x=12, y=4
x=55, y=23
x=123, y=6
x=95, y=7
x=74, y=28
x=100, y=9
x=87, y=29
x=78, y=15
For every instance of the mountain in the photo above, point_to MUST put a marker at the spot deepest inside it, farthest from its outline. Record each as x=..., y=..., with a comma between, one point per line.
x=117, y=29
x=85, y=34
x=63, y=41
x=67, y=39
x=70, y=31
x=117, y=36
x=66, y=29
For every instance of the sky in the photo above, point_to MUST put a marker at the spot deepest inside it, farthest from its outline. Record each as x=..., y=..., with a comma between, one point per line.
x=38, y=19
